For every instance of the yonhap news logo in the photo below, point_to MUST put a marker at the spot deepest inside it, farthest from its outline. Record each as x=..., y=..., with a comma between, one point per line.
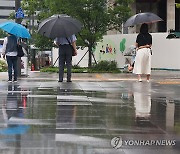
x=118, y=142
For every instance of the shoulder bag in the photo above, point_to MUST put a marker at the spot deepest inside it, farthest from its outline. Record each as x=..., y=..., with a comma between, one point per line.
x=20, y=52
x=73, y=51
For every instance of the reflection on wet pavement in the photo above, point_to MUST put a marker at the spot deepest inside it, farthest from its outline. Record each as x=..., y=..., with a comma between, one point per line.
x=87, y=117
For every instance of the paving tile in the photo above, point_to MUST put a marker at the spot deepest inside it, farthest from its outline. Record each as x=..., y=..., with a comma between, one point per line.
x=84, y=116
x=74, y=103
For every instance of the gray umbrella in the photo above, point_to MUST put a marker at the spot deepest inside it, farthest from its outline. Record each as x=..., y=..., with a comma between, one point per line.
x=146, y=17
x=60, y=25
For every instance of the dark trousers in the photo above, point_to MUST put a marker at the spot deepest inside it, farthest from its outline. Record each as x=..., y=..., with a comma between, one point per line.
x=65, y=56
x=12, y=64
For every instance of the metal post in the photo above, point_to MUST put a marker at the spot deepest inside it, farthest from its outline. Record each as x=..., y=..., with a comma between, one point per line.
x=18, y=20
x=17, y=6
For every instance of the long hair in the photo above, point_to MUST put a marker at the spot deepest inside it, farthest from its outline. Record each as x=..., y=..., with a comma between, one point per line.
x=144, y=28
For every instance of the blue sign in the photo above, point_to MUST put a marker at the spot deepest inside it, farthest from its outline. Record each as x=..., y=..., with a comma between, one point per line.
x=19, y=13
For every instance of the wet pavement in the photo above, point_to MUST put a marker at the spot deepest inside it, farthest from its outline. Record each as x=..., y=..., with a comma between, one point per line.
x=95, y=114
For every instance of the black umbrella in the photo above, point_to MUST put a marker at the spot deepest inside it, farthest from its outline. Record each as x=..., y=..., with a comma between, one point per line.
x=60, y=25
x=146, y=17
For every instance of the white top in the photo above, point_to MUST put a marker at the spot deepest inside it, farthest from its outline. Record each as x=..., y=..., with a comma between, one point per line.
x=4, y=49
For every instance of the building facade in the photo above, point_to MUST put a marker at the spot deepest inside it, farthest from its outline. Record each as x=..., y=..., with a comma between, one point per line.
x=166, y=9
x=6, y=8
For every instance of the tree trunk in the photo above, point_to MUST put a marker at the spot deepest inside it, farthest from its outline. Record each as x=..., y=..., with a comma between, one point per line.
x=90, y=57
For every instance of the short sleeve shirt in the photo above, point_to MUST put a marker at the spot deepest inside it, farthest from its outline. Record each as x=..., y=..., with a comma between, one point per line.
x=63, y=40
x=144, y=39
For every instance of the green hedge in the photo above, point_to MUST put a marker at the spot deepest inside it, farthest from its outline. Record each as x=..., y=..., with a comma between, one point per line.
x=106, y=66
x=3, y=66
x=101, y=67
x=56, y=70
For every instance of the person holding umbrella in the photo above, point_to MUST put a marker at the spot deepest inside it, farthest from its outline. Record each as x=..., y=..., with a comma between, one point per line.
x=62, y=28
x=142, y=63
x=9, y=50
x=65, y=55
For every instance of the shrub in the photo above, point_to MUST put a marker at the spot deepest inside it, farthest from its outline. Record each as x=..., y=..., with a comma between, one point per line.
x=3, y=66
x=106, y=66
x=101, y=67
x=56, y=69
x=50, y=69
x=76, y=67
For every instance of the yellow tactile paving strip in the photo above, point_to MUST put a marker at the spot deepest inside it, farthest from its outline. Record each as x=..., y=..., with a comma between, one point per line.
x=169, y=82
x=100, y=77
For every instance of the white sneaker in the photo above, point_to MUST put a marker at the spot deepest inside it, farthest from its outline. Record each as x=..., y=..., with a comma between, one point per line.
x=10, y=81
x=148, y=81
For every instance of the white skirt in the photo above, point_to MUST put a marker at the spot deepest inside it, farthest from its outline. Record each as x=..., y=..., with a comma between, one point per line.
x=142, y=61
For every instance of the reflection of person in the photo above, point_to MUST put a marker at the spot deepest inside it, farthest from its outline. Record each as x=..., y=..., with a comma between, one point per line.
x=12, y=101
x=66, y=117
x=66, y=114
x=65, y=55
x=10, y=50
x=142, y=104
x=14, y=111
x=143, y=56
x=142, y=101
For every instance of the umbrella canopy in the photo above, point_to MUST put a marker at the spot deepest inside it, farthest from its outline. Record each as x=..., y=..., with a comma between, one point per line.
x=146, y=17
x=59, y=26
x=15, y=29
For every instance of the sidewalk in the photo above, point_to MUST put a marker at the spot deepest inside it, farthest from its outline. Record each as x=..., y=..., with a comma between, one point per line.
x=156, y=76
x=95, y=114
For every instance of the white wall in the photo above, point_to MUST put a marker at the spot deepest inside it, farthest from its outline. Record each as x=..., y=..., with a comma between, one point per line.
x=166, y=52
x=75, y=60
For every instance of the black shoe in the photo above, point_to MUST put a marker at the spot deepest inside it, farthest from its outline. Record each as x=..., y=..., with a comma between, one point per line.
x=60, y=81
x=69, y=81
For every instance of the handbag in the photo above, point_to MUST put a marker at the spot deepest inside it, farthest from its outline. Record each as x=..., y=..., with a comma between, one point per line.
x=73, y=51
x=20, y=52
x=151, y=51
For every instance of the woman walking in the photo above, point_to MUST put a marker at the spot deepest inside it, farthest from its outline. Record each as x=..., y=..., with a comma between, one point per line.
x=143, y=54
